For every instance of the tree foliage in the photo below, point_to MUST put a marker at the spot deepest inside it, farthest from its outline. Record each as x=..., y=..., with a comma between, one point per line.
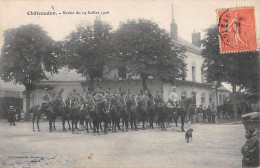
x=147, y=50
x=239, y=69
x=28, y=52
x=86, y=48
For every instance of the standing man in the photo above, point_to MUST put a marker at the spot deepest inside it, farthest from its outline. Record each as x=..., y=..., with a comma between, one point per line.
x=209, y=114
x=11, y=115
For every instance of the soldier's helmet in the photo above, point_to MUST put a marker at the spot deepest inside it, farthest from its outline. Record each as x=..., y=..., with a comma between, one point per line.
x=11, y=106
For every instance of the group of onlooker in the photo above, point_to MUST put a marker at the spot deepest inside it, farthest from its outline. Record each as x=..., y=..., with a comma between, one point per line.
x=204, y=115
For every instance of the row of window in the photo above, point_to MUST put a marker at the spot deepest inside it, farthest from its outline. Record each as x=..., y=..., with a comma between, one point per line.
x=122, y=73
x=222, y=98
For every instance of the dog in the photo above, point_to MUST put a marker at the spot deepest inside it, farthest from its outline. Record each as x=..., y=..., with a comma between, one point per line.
x=188, y=135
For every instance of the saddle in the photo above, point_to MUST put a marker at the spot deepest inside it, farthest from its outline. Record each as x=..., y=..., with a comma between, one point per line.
x=171, y=104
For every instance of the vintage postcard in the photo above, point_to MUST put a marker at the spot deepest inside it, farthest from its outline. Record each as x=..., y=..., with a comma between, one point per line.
x=135, y=83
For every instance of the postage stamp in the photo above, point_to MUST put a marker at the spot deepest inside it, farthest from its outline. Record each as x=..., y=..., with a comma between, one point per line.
x=237, y=31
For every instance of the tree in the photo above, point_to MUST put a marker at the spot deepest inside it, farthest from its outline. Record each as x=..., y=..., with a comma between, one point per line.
x=145, y=49
x=27, y=53
x=238, y=69
x=86, y=48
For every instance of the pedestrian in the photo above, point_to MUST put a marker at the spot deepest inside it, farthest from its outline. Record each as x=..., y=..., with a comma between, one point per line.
x=197, y=114
x=200, y=114
x=209, y=114
x=214, y=113
x=11, y=115
x=251, y=155
x=244, y=148
x=204, y=115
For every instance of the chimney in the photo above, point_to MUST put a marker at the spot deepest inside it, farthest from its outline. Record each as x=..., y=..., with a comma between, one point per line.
x=196, y=39
x=174, y=28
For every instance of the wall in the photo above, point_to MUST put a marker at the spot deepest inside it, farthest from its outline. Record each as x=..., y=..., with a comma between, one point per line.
x=198, y=61
x=189, y=89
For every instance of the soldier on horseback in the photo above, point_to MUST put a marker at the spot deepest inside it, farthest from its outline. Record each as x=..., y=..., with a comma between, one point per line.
x=46, y=99
x=173, y=100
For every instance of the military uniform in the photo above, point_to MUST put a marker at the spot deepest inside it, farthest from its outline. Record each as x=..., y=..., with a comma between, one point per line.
x=173, y=99
x=11, y=115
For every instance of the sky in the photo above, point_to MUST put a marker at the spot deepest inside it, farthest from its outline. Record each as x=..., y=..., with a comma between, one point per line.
x=189, y=15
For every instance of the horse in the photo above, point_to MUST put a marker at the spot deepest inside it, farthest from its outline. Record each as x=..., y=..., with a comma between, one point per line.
x=60, y=109
x=114, y=114
x=130, y=107
x=75, y=114
x=151, y=113
x=85, y=115
x=37, y=112
x=162, y=113
x=125, y=114
x=142, y=110
x=181, y=110
x=105, y=114
x=96, y=115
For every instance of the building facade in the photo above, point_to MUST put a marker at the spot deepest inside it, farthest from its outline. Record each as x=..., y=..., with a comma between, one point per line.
x=192, y=84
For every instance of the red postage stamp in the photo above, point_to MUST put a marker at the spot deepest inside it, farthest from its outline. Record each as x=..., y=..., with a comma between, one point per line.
x=237, y=30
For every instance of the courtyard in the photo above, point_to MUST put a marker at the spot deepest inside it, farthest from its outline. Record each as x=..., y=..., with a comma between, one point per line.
x=213, y=146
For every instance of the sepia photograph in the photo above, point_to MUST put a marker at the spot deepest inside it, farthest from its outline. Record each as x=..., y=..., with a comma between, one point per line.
x=129, y=84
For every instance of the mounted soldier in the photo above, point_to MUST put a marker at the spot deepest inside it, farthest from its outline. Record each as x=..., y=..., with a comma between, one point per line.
x=173, y=101
x=74, y=97
x=46, y=99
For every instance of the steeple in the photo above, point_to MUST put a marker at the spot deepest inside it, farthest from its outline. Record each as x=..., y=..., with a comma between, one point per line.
x=174, y=28
x=173, y=20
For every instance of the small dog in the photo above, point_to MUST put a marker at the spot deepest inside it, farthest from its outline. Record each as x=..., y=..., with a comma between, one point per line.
x=188, y=135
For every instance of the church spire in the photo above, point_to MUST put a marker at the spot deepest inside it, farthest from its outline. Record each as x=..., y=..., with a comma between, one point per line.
x=173, y=20
x=174, y=28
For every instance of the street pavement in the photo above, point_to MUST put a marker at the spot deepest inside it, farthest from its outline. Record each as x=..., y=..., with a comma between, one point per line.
x=213, y=146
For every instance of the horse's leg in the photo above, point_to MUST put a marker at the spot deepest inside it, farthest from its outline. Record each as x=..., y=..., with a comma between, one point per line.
x=37, y=122
x=68, y=123
x=100, y=125
x=50, y=123
x=123, y=123
x=87, y=124
x=182, y=123
x=54, y=119
x=63, y=123
x=33, y=119
x=72, y=125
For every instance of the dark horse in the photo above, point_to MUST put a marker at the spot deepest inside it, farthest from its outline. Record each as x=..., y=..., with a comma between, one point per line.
x=38, y=110
x=142, y=110
x=130, y=107
x=181, y=110
x=60, y=109
x=162, y=113
x=114, y=114
x=96, y=115
x=75, y=114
